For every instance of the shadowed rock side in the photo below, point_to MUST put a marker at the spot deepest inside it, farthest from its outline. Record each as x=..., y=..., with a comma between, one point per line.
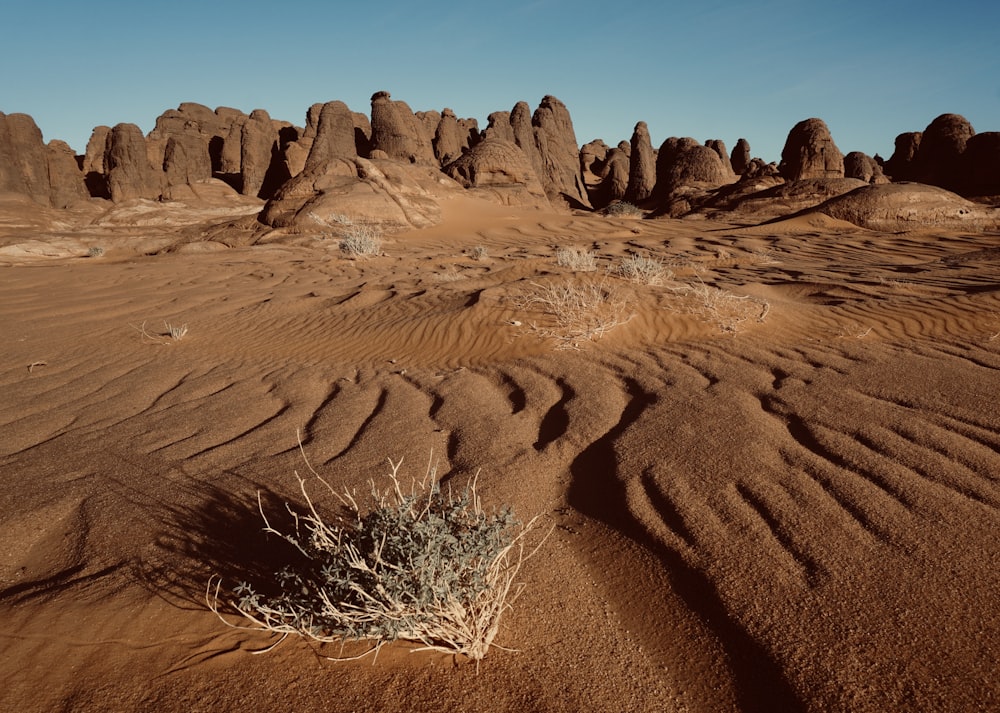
x=499, y=170
x=909, y=206
x=899, y=167
x=685, y=171
x=262, y=167
x=450, y=138
x=499, y=126
x=938, y=160
x=397, y=131
x=740, y=157
x=66, y=185
x=981, y=173
x=642, y=166
x=614, y=176
x=592, y=157
x=811, y=153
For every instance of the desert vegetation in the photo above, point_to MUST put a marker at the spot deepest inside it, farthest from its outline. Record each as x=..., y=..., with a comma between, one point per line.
x=417, y=562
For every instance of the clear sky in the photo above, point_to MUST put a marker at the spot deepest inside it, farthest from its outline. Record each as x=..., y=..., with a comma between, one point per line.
x=713, y=69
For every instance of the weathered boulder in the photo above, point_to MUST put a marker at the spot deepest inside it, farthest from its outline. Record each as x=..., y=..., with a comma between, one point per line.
x=24, y=166
x=66, y=184
x=560, y=153
x=938, y=161
x=524, y=137
x=811, y=153
x=614, y=176
x=398, y=132
x=450, y=138
x=683, y=163
x=642, y=166
x=863, y=167
x=592, y=156
x=719, y=146
x=740, y=158
x=390, y=194
x=186, y=160
x=899, y=167
x=499, y=126
x=499, y=170
x=334, y=137
x=981, y=174
x=262, y=168
x=126, y=165
x=897, y=207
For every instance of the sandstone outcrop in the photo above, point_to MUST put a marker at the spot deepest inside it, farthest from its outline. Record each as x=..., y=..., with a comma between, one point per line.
x=261, y=165
x=810, y=152
x=186, y=160
x=899, y=167
x=899, y=207
x=127, y=168
x=450, y=138
x=719, y=146
x=398, y=132
x=66, y=185
x=684, y=163
x=938, y=161
x=23, y=159
x=981, y=160
x=498, y=169
x=642, y=166
x=863, y=167
x=499, y=126
x=556, y=141
x=740, y=157
x=592, y=156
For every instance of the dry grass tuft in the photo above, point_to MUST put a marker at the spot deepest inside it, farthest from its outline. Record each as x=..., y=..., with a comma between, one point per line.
x=361, y=241
x=721, y=307
x=643, y=270
x=576, y=259
x=572, y=312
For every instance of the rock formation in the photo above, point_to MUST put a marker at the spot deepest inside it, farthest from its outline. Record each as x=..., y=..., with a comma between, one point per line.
x=592, y=156
x=613, y=177
x=23, y=159
x=261, y=165
x=642, y=166
x=981, y=165
x=899, y=167
x=560, y=152
x=719, y=146
x=500, y=170
x=909, y=206
x=450, y=138
x=938, y=161
x=684, y=163
x=740, y=157
x=499, y=126
x=810, y=153
x=862, y=166
x=398, y=132
x=66, y=185
x=127, y=168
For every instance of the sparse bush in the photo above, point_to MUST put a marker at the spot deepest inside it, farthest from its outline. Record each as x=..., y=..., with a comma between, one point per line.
x=95, y=251
x=721, y=307
x=174, y=332
x=361, y=240
x=576, y=259
x=621, y=209
x=573, y=312
x=644, y=270
x=479, y=252
x=423, y=564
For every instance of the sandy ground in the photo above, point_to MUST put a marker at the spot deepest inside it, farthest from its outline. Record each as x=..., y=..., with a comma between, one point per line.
x=794, y=513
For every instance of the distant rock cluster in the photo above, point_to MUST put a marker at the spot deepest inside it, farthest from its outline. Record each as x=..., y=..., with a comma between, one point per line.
x=394, y=165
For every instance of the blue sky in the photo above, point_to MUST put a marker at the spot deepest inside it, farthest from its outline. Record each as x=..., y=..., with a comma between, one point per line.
x=708, y=69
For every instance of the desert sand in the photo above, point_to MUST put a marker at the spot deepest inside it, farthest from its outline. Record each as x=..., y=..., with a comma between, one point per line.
x=795, y=511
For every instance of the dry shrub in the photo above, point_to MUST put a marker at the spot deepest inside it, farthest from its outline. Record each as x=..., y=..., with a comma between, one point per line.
x=421, y=564
x=571, y=312
x=643, y=270
x=361, y=240
x=721, y=307
x=622, y=209
x=576, y=259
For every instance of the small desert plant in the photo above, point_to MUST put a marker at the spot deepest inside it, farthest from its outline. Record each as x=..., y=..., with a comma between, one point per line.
x=95, y=251
x=424, y=564
x=479, y=252
x=576, y=259
x=361, y=240
x=621, y=209
x=722, y=307
x=643, y=270
x=170, y=333
x=573, y=312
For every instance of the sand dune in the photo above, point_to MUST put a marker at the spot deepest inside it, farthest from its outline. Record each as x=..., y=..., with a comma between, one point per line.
x=801, y=515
